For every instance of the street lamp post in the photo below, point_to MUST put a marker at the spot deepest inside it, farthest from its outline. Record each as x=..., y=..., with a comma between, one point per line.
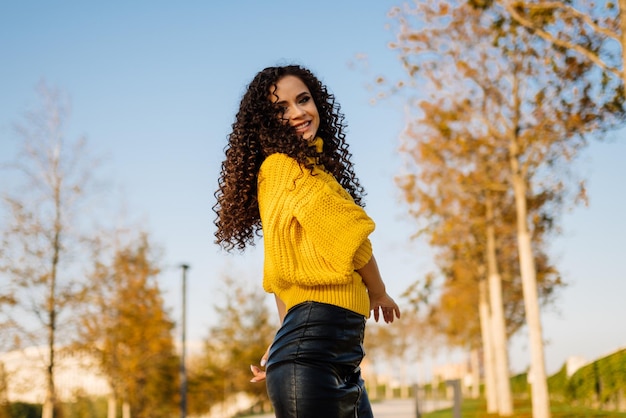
x=183, y=369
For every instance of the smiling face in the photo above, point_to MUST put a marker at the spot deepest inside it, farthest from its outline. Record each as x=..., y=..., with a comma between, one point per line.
x=297, y=107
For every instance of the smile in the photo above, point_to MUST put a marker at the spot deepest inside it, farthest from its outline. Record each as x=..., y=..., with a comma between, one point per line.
x=302, y=126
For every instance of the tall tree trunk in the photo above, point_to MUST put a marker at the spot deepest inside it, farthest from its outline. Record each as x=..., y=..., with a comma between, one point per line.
x=404, y=386
x=537, y=374
x=50, y=401
x=622, y=25
x=112, y=406
x=487, y=337
x=501, y=358
x=5, y=411
x=126, y=410
x=475, y=366
x=47, y=410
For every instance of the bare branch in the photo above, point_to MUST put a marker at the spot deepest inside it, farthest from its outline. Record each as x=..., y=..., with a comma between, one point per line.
x=559, y=42
x=556, y=5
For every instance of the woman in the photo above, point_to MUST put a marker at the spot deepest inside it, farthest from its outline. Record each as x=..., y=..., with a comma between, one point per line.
x=288, y=173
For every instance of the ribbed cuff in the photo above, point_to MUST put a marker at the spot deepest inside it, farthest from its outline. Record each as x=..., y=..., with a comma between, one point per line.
x=351, y=296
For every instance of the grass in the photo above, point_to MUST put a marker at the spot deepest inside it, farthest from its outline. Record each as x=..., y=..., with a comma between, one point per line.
x=522, y=409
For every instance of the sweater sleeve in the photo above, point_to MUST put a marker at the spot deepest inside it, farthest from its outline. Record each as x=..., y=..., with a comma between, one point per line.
x=338, y=226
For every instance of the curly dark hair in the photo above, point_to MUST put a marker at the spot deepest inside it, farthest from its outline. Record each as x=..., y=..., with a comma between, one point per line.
x=258, y=131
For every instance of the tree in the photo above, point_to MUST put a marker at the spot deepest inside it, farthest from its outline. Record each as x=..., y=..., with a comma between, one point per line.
x=242, y=333
x=468, y=259
x=7, y=301
x=128, y=330
x=41, y=241
x=454, y=190
x=4, y=401
x=534, y=104
x=595, y=31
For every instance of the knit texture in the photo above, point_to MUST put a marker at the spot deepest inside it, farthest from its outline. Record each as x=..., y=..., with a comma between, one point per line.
x=315, y=236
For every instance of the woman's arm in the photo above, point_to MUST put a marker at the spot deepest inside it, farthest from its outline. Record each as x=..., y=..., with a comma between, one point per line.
x=379, y=299
x=280, y=305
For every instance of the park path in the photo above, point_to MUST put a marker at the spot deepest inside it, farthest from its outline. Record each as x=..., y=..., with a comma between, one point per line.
x=396, y=408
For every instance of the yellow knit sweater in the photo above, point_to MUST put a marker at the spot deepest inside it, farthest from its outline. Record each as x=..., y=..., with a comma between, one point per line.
x=315, y=236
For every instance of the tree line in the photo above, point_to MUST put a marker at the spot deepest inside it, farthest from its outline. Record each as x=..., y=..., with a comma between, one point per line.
x=502, y=97
x=78, y=279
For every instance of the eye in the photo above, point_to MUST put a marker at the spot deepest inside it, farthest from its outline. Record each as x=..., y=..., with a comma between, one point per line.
x=305, y=99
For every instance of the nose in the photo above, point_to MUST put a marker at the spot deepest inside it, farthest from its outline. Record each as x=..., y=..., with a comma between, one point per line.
x=297, y=112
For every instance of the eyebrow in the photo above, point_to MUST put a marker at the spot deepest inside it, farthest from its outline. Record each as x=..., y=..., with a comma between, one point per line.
x=304, y=93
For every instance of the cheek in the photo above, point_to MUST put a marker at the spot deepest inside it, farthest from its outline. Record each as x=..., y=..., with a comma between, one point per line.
x=315, y=113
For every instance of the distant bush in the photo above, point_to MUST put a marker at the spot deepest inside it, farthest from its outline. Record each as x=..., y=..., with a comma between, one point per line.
x=24, y=410
x=82, y=407
x=520, y=386
x=601, y=383
x=558, y=384
x=85, y=407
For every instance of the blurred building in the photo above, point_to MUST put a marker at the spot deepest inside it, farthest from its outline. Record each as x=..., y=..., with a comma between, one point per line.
x=74, y=374
x=457, y=371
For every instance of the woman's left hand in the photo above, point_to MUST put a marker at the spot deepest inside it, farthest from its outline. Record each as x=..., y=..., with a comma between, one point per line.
x=259, y=374
x=385, y=304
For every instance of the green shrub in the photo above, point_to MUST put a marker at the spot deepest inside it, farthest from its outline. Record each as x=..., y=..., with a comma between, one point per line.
x=558, y=383
x=600, y=382
x=519, y=385
x=85, y=407
x=24, y=410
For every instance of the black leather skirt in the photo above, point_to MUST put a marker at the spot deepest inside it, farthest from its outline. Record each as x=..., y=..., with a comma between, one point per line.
x=313, y=365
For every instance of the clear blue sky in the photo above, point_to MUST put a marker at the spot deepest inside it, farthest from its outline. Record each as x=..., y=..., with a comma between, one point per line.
x=155, y=86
